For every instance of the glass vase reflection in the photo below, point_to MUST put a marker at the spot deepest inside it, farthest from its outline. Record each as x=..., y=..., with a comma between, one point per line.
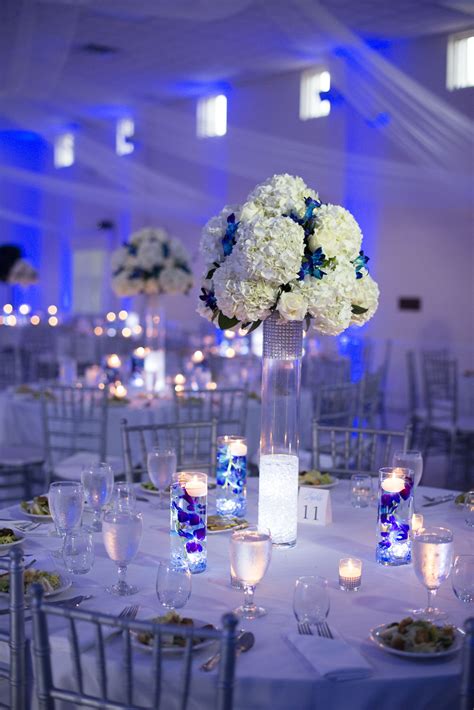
x=231, y=476
x=395, y=508
x=188, y=500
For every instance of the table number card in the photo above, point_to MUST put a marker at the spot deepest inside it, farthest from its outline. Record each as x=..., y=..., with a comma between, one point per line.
x=314, y=506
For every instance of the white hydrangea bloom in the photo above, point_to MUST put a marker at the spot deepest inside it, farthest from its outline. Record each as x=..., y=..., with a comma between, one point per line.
x=242, y=298
x=278, y=195
x=150, y=254
x=270, y=249
x=329, y=298
x=213, y=232
x=123, y=285
x=174, y=280
x=204, y=311
x=337, y=232
x=365, y=293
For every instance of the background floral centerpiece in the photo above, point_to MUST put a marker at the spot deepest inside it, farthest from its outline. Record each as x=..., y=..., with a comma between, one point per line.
x=151, y=262
x=14, y=269
x=285, y=250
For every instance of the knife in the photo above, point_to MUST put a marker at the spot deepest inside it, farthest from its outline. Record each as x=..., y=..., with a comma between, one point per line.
x=244, y=643
x=445, y=499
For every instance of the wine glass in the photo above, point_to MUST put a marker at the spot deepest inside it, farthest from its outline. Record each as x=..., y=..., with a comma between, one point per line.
x=161, y=466
x=122, y=533
x=66, y=503
x=361, y=490
x=462, y=578
x=173, y=584
x=98, y=482
x=432, y=550
x=311, y=599
x=124, y=497
x=78, y=551
x=250, y=555
x=412, y=460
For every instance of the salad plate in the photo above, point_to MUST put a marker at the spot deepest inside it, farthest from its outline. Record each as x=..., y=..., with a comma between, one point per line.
x=173, y=645
x=37, y=509
x=433, y=641
x=316, y=479
x=53, y=583
x=9, y=538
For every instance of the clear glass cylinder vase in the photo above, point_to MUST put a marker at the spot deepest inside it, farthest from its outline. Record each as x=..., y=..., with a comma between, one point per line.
x=154, y=365
x=279, y=437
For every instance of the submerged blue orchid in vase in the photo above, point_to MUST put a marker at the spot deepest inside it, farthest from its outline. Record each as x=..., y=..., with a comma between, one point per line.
x=395, y=507
x=231, y=476
x=188, y=502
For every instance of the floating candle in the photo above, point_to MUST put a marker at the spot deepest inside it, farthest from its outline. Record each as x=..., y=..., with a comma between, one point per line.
x=394, y=483
x=196, y=487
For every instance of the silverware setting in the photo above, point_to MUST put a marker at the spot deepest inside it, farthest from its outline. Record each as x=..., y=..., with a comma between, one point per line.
x=322, y=629
x=244, y=642
x=304, y=629
x=437, y=501
x=129, y=612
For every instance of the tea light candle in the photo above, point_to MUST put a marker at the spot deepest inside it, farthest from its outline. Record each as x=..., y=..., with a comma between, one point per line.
x=120, y=392
x=395, y=483
x=237, y=448
x=350, y=574
x=416, y=522
x=114, y=362
x=196, y=487
x=179, y=379
x=197, y=356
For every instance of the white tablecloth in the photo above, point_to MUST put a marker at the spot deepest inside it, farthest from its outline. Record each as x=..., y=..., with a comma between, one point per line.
x=273, y=674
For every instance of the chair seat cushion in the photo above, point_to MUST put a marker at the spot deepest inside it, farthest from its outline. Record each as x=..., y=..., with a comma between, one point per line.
x=20, y=456
x=70, y=468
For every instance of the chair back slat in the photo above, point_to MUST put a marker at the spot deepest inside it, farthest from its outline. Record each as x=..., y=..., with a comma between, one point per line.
x=16, y=670
x=127, y=642
x=156, y=663
x=76, y=658
x=186, y=682
x=228, y=406
x=467, y=677
x=101, y=669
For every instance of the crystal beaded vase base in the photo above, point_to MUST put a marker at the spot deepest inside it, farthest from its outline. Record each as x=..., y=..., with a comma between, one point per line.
x=278, y=479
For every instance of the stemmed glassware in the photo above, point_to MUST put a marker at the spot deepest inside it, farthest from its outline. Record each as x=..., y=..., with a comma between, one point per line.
x=311, y=599
x=161, y=466
x=122, y=533
x=462, y=578
x=250, y=555
x=66, y=503
x=412, y=460
x=124, y=498
x=98, y=482
x=173, y=584
x=432, y=550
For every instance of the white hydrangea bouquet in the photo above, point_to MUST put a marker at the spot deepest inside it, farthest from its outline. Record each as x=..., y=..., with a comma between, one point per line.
x=152, y=262
x=284, y=250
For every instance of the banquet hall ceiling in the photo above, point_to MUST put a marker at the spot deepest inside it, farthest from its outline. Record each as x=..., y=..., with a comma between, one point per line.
x=89, y=54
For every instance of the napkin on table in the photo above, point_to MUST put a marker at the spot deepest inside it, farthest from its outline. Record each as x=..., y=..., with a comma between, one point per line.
x=334, y=659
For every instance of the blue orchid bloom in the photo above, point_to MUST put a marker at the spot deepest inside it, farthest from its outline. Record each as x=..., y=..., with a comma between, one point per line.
x=311, y=265
x=209, y=299
x=311, y=205
x=228, y=240
x=360, y=263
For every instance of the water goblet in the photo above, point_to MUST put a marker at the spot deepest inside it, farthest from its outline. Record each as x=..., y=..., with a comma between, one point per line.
x=469, y=509
x=462, y=578
x=66, y=503
x=124, y=498
x=432, y=551
x=250, y=555
x=173, y=584
x=412, y=460
x=98, y=482
x=78, y=551
x=161, y=466
x=361, y=490
x=311, y=599
x=122, y=533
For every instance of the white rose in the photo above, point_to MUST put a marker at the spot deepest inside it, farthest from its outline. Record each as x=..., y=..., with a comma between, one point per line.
x=292, y=306
x=365, y=294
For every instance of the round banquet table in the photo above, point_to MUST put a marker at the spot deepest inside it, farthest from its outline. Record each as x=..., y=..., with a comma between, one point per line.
x=273, y=674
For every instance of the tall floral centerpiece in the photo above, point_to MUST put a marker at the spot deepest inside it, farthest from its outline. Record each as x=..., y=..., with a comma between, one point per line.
x=14, y=269
x=283, y=258
x=152, y=263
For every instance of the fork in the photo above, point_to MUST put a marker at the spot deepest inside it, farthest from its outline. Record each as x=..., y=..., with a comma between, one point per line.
x=130, y=612
x=304, y=629
x=323, y=630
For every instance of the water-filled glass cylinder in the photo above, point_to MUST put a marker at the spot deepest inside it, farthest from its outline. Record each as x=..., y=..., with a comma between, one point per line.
x=279, y=438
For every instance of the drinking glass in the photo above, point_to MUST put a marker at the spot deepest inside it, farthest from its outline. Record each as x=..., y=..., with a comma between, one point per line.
x=124, y=498
x=462, y=578
x=98, y=482
x=432, y=550
x=311, y=599
x=173, y=584
x=469, y=509
x=361, y=490
x=412, y=460
x=250, y=555
x=78, y=551
x=122, y=533
x=66, y=503
x=161, y=466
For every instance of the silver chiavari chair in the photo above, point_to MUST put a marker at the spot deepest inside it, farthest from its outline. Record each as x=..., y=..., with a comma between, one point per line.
x=228, y=406
x=369, y=398
x=347, y=450
x=10, y=368
x=122, y=696
x=74, y=422
x=195, y=444
x=15, y=672
x=417, y=415
x=467, y=677
x=336, y=404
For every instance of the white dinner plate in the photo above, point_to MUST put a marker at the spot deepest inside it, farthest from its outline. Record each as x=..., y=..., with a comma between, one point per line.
x=375, y=638
x=333, y=484
x=176, y=650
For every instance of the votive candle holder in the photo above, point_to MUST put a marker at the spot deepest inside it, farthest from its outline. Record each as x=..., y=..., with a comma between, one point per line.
x=188, y=501
x=231, y=476
x=350, y=574
x=394, y=517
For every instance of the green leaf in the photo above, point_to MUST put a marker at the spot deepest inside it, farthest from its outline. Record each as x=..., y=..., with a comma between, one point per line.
x=212, y=271
x=253, y=327
x=226, y=323
x=358, y=310
x=307, y=321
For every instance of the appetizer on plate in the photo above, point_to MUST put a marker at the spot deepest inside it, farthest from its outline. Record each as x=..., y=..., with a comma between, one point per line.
x=38, y=506
x=315, y=478
x=50, y=581
x=218, y=523
x=417, y=636
x=172, y=640
x=9, y=536
x=460, y=499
